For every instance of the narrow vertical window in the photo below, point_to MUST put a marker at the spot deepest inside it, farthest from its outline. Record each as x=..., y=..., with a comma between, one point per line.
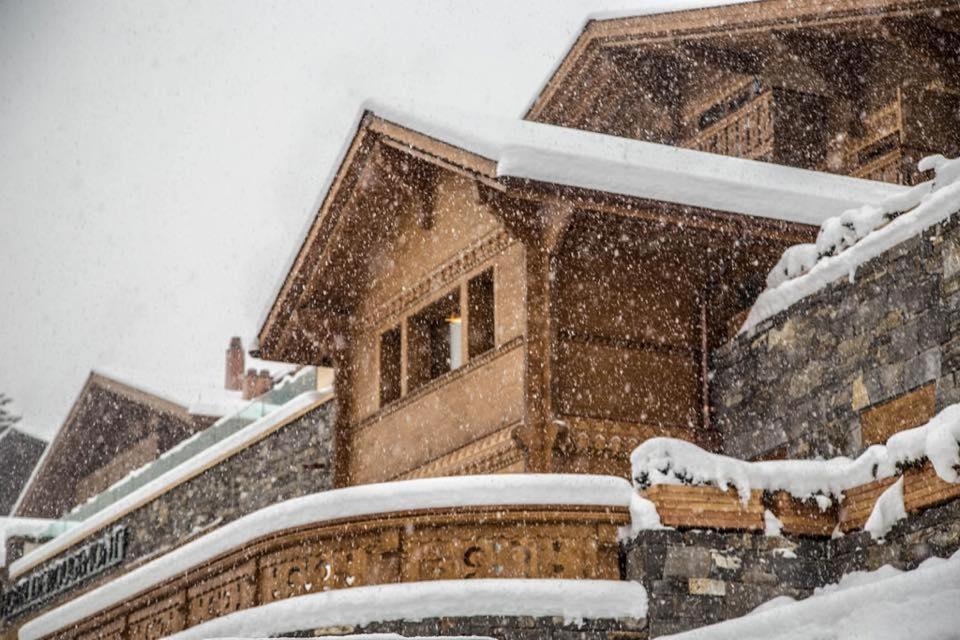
x=390, y=366
x=434, y=340
x=481, y=336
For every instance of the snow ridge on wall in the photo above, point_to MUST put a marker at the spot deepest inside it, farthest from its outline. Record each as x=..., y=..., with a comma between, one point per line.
x=670, y=461
x=856, y=236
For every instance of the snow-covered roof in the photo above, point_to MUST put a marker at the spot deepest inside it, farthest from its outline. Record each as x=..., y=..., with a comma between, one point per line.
x=188, y=458
x=198, y=397
x=858, y=235
x=584, y=159
x=28, y=527
x=881, y=605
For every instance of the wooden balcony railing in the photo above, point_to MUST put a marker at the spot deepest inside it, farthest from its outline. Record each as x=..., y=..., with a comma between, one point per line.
x=745, y=133
x=562, y=527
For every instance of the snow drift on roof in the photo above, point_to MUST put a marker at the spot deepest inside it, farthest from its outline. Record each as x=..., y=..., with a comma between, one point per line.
x=622, y=166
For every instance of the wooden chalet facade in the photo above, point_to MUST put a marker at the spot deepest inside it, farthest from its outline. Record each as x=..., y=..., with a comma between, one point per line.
x=485, y=324
x=525, y=299
x=865, y=88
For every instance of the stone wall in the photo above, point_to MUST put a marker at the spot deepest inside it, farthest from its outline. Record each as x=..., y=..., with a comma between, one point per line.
x=798, y=384
x=501, y=627
x=694, y=578
x=294, y=460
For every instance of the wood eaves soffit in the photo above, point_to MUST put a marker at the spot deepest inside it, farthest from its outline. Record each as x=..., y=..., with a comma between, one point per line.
x=740, y=20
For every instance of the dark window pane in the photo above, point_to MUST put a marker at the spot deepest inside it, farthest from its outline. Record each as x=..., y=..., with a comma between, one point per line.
x=481, y=336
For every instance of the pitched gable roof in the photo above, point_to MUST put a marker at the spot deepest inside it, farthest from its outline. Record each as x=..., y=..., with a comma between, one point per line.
x=502, y=153
x=660, y=26
x=19, y=453
x=79, y=443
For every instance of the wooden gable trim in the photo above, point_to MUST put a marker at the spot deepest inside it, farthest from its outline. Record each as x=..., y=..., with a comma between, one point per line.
x=372, y=130
x=698, y=24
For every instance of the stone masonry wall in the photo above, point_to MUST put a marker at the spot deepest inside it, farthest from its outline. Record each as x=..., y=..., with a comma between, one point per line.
x=695, y=578
x=294, y=460
x=500, y=627
x=796, y=385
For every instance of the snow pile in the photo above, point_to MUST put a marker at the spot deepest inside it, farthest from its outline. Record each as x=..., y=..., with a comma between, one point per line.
x=887, y=511
x=668, y=461
x=371, y=499
x=858, y=235
x=572, y=600
x=374, y=636
x=36, y=528
x=643, y=517
x=881, y=605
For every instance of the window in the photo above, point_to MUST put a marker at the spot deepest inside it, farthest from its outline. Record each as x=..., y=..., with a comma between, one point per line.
x=480, y=330
x=434, y=341
x=390, y=366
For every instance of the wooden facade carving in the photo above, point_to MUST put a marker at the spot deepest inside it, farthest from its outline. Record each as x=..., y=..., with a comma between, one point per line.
x=496, y=453
x=473, y=256
x=598, y=446
x=488, y=542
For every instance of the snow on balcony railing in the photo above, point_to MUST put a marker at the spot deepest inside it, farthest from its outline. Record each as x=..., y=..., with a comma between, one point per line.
x=689, y=487
x=505, y=493
x=661, y=461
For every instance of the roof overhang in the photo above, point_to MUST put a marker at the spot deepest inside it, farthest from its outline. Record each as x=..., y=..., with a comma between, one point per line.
x=522, y=160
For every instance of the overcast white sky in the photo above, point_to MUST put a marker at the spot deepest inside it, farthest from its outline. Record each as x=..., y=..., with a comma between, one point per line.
x=159, y=160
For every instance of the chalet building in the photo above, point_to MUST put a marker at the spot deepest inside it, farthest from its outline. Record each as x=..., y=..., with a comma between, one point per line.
x=857, y=88
x=116, y=426
x=712, y=233
x=19, y=452
x=112, y=429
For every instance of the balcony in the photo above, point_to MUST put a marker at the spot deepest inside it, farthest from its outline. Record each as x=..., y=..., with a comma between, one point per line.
x=745, y=133
x=769, y=124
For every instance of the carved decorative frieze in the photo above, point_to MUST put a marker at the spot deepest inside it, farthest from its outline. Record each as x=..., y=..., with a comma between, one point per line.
x=489, y=542
x=473, y=256
x=489, y=454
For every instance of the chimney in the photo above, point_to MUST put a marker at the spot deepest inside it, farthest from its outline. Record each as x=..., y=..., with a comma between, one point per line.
x=264, y=382
x=234, y=369
x=250, y=384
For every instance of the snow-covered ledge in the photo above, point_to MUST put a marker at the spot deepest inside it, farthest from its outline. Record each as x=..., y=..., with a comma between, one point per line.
x=509, y=490
x=572, y=600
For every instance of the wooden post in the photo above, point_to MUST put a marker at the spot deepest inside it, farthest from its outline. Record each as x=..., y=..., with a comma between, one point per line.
x=540, y=431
